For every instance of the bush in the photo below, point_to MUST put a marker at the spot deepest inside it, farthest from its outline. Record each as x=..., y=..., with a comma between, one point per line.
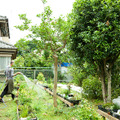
x=115, y=92
x=41, y=77
x=18, y=79
x=92, y=87
x=77, y=74
x=85, y=111
x=61, y=76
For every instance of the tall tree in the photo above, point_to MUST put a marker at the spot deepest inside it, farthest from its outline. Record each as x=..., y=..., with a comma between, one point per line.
x=95, y=37
x=51, y=35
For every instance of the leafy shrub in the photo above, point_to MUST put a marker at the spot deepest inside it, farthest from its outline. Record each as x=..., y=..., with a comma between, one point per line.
x=115, y=92
x=92, y=87
x=24, y=111
x=77, y=74
x=48, y=73
x=49, y=80
x=19, y=78
x=61, y=76
x=41, y=77
x=85, y=111
x=51, y=86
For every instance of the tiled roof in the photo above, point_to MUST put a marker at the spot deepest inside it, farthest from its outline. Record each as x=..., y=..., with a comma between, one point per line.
x=3, y=17
x=6, y=45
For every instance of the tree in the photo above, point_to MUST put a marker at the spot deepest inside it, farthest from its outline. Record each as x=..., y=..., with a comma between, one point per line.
x=27, y=49
x=51, y=35
x=95, y=37
x=19, y=62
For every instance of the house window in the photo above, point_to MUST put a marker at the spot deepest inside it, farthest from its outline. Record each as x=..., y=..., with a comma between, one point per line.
x=3, y=30
x=4, y=62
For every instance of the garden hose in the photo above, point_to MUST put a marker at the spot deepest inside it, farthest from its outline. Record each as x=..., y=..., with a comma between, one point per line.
x=2, y=85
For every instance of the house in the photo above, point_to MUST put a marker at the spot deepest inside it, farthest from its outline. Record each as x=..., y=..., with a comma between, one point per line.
x=7, y=51
x=4, y=29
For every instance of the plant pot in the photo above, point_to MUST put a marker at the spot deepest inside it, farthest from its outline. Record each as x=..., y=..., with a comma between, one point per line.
x=70, y=95
x=45, y=86
x=101, y=108
x=115, y=110
x=75, y=102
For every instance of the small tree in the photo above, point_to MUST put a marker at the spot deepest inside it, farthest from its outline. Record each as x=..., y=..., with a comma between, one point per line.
x=51, y=34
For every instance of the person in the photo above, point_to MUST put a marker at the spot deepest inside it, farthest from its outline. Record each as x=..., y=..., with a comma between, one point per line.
x=9, y=72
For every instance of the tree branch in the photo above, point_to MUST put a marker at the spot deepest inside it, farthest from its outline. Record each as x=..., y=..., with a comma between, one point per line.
x=65, y=42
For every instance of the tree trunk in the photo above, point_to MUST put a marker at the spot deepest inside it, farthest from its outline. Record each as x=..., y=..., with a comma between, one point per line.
x=102, y=78
x=109, y=86
x=104, y=90
x=55, y=81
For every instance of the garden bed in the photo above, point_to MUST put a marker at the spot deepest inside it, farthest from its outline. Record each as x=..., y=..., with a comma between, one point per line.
x=42, y=104
x=67, y=101
x=108, y=113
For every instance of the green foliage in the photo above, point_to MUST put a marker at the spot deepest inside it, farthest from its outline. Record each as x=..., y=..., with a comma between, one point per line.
x=25, y=46
x=50, y=86
x=116, y=79
x=95, y=34
x=115, y=92
x=115, y=75
x=77, y=74
x=44, y=1
x=26, y=22
x=19, y=62
x=27, y=49
x=42, y=107
x=19, y=78
x=50, y=35
x=41, y=77
x=61, y=76
x=24, y=111
x=116, y=106
x=85, y=111
x=108, y=106
x=24, y=97
x=92, y=87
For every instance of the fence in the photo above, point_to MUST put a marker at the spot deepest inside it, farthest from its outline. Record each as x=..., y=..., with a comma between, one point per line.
x=48, y=72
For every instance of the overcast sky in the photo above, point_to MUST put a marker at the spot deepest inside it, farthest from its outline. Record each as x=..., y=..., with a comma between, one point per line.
x=11, y=9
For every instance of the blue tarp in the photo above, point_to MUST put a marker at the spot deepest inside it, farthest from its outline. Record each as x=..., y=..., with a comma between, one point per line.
x=66, y=64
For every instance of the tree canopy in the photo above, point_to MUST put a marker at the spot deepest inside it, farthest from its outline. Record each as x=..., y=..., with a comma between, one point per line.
x=28, y=49
x=96, y=30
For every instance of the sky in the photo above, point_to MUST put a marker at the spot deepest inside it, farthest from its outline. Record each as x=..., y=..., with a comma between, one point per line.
x=11, y=9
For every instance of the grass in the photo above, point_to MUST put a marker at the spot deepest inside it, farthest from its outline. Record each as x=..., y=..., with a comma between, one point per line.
x=8, y=110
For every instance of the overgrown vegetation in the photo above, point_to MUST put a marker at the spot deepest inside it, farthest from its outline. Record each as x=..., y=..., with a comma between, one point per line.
x=31, y=104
